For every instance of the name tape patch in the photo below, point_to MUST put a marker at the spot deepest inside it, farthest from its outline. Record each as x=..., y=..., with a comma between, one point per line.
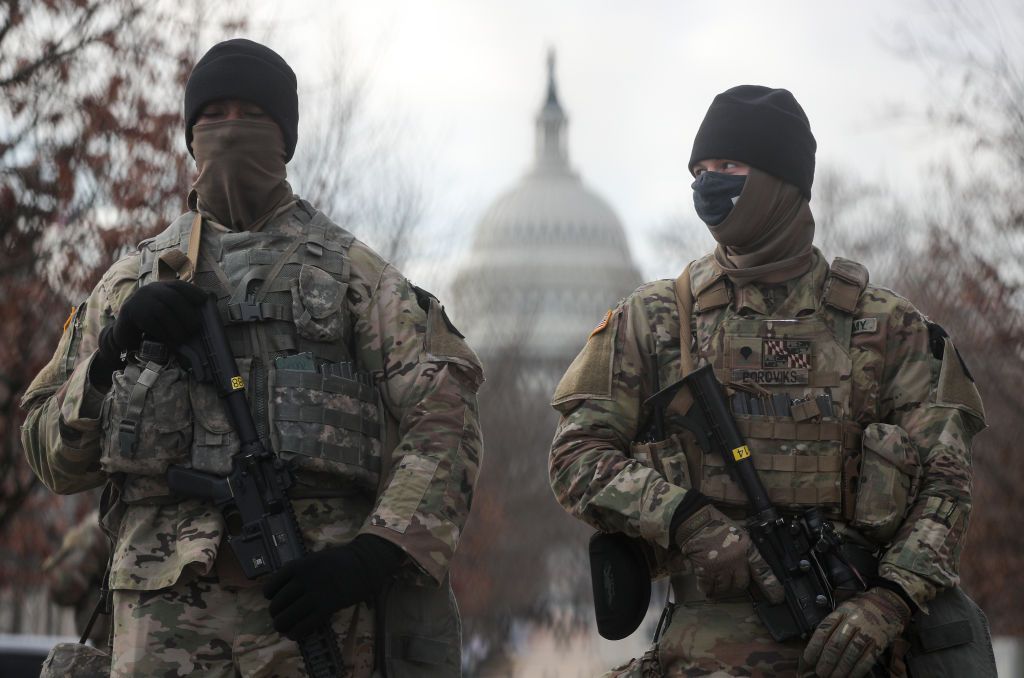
x=772, y=377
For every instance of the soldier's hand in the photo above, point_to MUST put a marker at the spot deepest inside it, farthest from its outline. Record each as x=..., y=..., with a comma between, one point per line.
x=849, y=641
x=724, y=558
x=167, y=312
x=305, y=593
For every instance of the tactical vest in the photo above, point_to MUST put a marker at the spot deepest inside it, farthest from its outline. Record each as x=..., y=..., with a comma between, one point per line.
x=791, y=393
x=281, y=293
x=792, y=390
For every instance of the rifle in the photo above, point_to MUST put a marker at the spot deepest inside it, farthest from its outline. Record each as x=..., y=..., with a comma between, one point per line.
x=804, y=552
x=261, y=526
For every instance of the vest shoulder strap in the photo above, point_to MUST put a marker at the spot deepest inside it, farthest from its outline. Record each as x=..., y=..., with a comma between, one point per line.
x=846, y=281
x=166, y=255
x=710, y=286
x=327, y=233
x=684, y=308
x=172, y=236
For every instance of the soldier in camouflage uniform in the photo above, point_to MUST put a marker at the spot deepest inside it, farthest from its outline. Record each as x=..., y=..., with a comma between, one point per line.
x=74, y=575
x=354, y=376
x=850, y=400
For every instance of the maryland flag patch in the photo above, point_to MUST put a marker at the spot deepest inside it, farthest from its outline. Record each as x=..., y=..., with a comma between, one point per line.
x=603, y=325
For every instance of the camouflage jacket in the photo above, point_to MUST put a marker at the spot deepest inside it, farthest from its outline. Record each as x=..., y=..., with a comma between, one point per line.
x=899, y=376
x=75, y=572
x=427, y=378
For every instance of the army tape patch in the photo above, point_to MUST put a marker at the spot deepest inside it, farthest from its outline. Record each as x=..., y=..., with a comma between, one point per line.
x=865, y=326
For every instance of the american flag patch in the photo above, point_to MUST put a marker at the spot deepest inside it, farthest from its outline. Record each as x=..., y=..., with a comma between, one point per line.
x=603, y=325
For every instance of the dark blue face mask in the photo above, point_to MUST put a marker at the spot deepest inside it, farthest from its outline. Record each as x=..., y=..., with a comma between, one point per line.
x=714, y=195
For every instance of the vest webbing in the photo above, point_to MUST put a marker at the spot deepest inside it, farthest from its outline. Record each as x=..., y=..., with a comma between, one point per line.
x=778, y=495
x=789, y=463
x=845, y=281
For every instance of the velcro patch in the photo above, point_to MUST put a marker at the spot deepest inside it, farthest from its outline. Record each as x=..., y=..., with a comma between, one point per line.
x=865, y=326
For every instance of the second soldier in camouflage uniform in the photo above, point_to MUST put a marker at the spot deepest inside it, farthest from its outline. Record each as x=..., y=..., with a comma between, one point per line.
x=849, y=398
x=354, y=376
x=74, y=575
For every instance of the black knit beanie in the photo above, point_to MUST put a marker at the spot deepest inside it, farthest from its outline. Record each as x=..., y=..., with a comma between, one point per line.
x=246, y=70
x=763, y=127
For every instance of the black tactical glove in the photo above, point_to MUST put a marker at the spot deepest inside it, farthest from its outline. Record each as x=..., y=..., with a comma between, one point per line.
x=305, y=593
x=167, y=312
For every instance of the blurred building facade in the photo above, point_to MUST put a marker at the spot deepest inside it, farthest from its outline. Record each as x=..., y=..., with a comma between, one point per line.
x=548, y=258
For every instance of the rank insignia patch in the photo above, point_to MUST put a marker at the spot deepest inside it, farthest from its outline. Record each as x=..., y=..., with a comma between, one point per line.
x=746, y=352
x=603, y=325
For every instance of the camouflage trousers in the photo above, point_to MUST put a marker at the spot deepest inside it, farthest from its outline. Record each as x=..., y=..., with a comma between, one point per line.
x=716, y=639
x=218, y=625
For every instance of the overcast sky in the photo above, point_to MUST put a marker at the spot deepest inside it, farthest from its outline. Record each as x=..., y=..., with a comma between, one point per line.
x=464, y=79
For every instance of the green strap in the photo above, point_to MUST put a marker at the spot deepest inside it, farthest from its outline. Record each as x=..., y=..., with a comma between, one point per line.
x=128, y=428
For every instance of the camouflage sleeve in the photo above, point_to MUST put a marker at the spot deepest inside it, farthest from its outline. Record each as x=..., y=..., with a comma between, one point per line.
x=927, y=390
x=428, y=380
x=600, y=398
x=76, y=569
x=61, y=434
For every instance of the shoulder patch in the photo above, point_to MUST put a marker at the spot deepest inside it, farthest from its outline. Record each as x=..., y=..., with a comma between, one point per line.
x=956, y=386
x=937, y=337
x=603, y=325
x=446, y=343
x=590, y=374
x=427, y=301
x=423, y=297
x=71, y=316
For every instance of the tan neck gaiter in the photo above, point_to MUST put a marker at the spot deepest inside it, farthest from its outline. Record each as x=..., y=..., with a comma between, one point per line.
x=768, y=235
x=241, y=171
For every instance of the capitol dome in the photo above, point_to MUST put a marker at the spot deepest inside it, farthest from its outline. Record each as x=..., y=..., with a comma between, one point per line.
x=548, y=257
